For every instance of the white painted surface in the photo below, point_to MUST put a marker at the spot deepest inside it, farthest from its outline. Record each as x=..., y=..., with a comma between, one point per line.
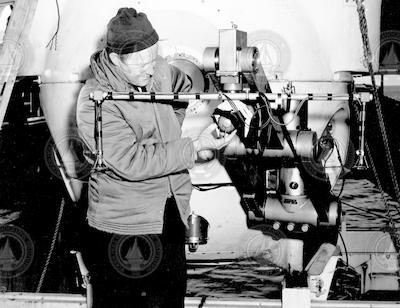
x=300, y=40
x=296, y=298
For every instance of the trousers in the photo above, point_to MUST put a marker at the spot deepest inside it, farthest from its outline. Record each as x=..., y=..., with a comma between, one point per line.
x=138, y=270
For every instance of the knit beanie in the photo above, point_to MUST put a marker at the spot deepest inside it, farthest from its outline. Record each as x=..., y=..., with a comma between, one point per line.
x=129, y=31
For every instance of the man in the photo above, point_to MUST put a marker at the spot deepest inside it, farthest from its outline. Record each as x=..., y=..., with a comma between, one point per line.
x=142, y=198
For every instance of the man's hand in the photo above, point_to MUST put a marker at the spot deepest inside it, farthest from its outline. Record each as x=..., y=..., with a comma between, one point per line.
x=211, y=139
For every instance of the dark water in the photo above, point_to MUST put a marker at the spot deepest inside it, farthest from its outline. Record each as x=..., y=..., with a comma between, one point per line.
x=364, y=207
x=238, y=279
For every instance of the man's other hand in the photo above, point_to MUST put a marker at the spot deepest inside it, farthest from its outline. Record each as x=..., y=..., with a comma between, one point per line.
x=212, y=139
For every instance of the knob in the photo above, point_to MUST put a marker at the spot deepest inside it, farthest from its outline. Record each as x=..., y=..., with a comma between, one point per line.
x=290, y=226
x=276, y=225
x=305, y=227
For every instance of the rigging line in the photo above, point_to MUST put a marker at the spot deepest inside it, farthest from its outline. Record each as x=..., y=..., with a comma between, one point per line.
x=52, y=246
x=378, y=106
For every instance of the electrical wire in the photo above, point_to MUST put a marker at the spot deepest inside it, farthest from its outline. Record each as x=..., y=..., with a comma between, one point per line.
x=341, y=189
x=216, y=86
x=341, y=166
x=208, y=187
x=267, y=106
x=269, y=110
x=328, y=156
x=53, y=40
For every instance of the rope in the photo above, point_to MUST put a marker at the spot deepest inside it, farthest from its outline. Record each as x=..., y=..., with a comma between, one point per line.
x=368, y=59
x=378, y=106
x=53, y=242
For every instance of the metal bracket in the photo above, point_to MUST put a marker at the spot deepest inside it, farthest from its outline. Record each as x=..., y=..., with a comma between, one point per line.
x=361, y=163
x=98, y=98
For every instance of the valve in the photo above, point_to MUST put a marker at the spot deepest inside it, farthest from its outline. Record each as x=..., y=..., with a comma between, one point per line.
x=197, y=233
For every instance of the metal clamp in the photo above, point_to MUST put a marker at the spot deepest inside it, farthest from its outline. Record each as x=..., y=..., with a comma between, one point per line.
x=98, y=97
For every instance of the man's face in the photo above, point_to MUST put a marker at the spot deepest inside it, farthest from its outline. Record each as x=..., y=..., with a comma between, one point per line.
x=139, y=66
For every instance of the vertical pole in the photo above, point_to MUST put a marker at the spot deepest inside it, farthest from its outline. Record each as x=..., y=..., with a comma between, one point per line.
x=98, y=134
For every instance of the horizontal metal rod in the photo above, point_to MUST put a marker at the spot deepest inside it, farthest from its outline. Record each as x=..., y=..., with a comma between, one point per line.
x=160, y=96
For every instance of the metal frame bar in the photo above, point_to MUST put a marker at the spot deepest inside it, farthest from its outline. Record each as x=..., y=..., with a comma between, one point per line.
x=154, y=96
x=44, y=300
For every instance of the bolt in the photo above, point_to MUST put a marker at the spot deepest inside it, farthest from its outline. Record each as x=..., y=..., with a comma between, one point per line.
x=276, y=225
